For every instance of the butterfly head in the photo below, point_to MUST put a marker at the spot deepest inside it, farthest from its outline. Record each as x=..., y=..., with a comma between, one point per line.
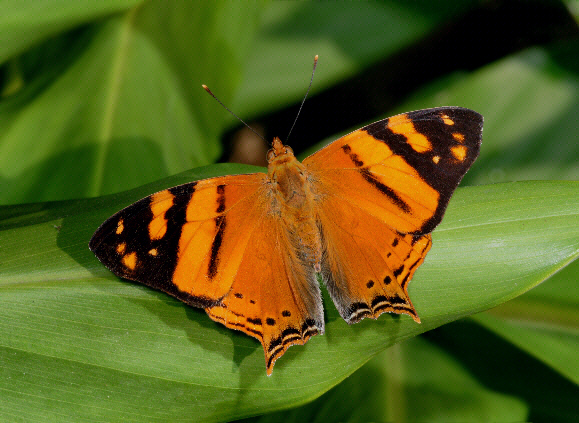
x=279, y=153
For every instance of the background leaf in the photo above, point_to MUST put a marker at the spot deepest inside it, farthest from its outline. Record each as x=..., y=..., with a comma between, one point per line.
x=23, y=24
x=292, y=32
x=412, y=381
x=122, y=110
x=543, y=323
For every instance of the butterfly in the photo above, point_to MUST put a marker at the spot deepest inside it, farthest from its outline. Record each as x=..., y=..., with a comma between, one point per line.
x=248, y=248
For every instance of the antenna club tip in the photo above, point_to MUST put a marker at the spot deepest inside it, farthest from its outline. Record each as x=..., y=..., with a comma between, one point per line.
x=206, y=88
x=316, y=57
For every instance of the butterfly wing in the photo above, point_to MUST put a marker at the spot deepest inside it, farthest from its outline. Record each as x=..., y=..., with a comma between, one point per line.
x=367, y=265
x=176, y=240
x=380, y=191
x=219, y=245
x=275, y=296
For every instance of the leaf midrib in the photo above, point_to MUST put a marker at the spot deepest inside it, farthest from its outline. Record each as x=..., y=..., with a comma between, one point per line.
x=112, y=99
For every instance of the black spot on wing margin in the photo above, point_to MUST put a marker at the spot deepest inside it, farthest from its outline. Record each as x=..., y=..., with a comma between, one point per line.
x=291, y=335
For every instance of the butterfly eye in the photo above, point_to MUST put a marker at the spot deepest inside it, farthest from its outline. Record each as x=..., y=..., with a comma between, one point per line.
x=270, y=155
x=288, y=150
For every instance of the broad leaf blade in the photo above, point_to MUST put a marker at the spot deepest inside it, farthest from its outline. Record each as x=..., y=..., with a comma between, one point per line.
x=22, y=24
x=126, y=106
x=69, y=329
x=543, y=322
x=413, y=381
x=556, y=346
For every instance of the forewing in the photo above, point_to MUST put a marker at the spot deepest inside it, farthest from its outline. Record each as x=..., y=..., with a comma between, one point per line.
x=186, y=241
x=403, y=169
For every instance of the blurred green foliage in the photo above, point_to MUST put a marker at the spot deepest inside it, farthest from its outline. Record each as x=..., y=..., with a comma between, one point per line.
x=99, y=98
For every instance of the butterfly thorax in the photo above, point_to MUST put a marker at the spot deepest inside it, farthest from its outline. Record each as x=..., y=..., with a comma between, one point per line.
x=288, y=177
x=294, y=200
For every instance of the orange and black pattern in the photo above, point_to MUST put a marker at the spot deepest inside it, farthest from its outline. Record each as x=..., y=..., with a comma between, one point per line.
x=248, y=248
x=454, y=137
x=124, y=245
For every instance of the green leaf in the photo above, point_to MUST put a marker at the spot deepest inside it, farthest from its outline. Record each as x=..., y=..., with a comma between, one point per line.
x=85, y=345
x=67, y=351
x=544, y=322
x=291, y=34
x=123, y=105
x=413, y=381
x=25, y=23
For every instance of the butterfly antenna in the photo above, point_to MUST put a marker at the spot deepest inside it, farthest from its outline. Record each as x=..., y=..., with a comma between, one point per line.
x=306, y=96
x=226, y=108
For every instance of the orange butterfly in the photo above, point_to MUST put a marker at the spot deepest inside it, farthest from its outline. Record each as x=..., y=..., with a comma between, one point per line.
x=247, y=248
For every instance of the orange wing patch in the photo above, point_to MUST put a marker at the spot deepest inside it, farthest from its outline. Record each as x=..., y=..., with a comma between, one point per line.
x=130, y=261
x=368, y=266
x=275, y=297
x=160, y=203
x=401, y=124
x=459, y=152
x=247, y=248
x=446, y=119
x=120, y=227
